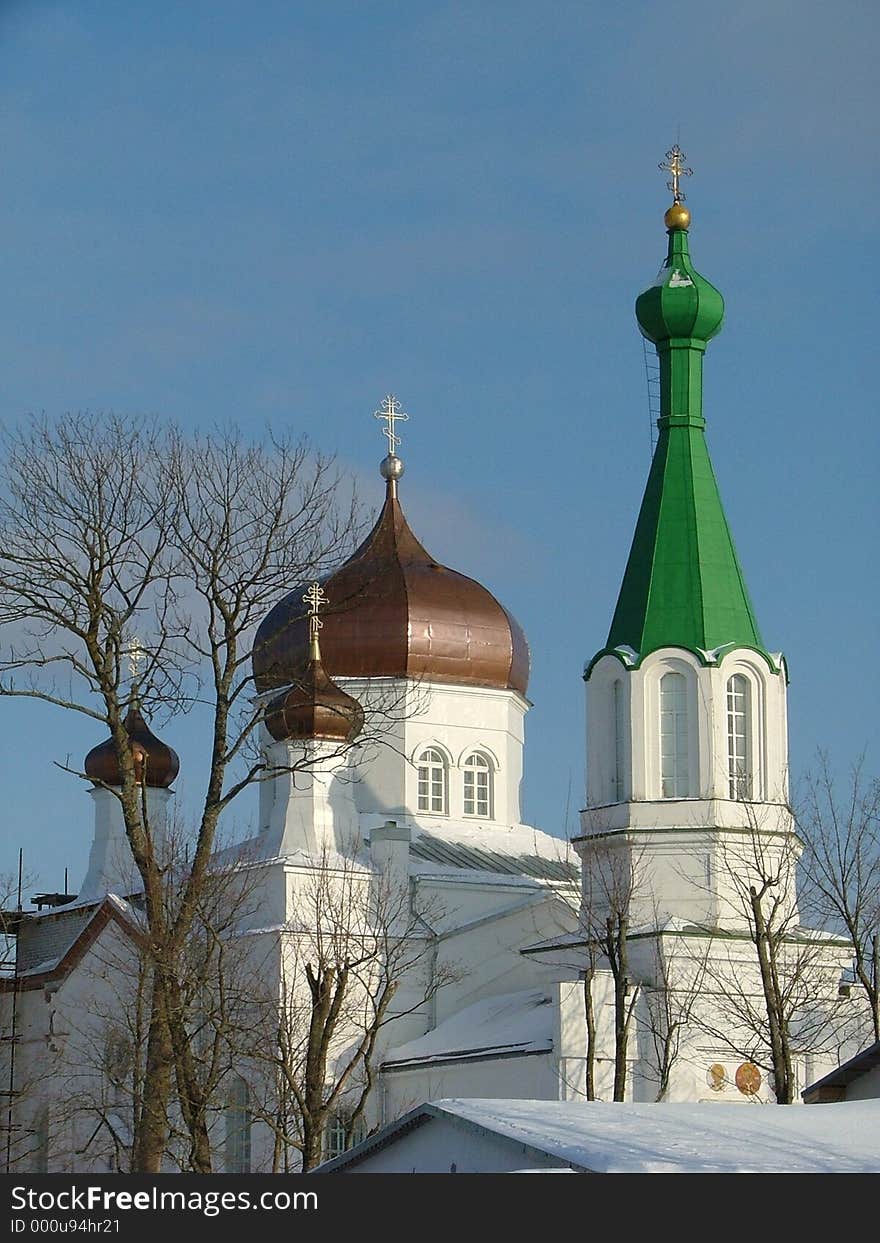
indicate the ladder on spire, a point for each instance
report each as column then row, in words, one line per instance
column 652, row 379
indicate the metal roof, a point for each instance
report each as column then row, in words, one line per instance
column 475, row 858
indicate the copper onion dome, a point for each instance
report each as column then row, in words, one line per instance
column 155, row 763
column 314, row 707
column 396, row 613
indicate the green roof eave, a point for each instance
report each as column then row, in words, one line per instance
column 631, row 659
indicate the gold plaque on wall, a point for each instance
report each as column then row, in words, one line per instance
column 716, row 1077
column 748, row 1078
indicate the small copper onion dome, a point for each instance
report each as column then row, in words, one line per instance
column 314, row 707
column 396, row 612
column 154, row 762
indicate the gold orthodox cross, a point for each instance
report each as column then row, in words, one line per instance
column 137, row 658
column 674, row 164
column 391, row 412
column 315, row 599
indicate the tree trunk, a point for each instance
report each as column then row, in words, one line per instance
column 590, row 1017
column 312, row 1146
column 667, row 1057
column 621, row 1033
column 780, row 1051
column 875, row 984
column 617, row 958
column 190, row 1092
column 151, row 1138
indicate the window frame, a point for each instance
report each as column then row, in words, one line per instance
column 470, row 772
column 682, row 730
column 618, row 756
column 431, row 767
column 238, row 1125
column 333, row 1143
column 740, row 786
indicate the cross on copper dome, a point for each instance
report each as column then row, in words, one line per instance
column 396, row 612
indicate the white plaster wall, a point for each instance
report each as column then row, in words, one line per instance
column 707, row 751
column 456, row 719
column 111, row 868
column 524, row 1078
column 866, row 1087
column 450, row 901
column 486, row 959
column 64, row 1028
column 698, row 875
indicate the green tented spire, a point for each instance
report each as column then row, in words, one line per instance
column 683, row 586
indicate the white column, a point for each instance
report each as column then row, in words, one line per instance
column 111, row 866
column 313, row 807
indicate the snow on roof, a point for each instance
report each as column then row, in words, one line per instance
column 510, row 1023
column 678, row 1138
column 40, row 967
column 514, row 839
column 498, row 850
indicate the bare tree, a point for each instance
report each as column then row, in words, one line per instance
column 773, row 982
column 609, row 881
column 227, row 967
column 111, row 529
column 354, row 959
column 841, row 863
column 671, row 999
column 589, row 979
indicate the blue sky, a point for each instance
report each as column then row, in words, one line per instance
column 277, row 213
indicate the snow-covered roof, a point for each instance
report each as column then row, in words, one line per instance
column 699, row 1138
column 494, row 1027
column 600, row 1137
column 53, row 942
column 499, row 850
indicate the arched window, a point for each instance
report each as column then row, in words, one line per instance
column 432, row 781
column 336, row 1135
column 617, row 786
column 674, row 758
column 237, row 1149
column 739, row 737
column 477, row 786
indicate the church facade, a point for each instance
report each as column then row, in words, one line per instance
column 622, row 965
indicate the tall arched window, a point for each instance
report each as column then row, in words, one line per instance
column 432, row 781
column 739, row 737
column 477, row 786
column 617, row 785
column 237, row 1147
column 674, row 758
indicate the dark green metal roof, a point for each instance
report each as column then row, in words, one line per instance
column 683, row 585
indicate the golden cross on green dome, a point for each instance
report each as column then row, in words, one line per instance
column 674, row 164
column 315, row 598
column 392, row 413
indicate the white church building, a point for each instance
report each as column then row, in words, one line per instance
column 686, row 815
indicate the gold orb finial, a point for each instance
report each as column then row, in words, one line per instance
column 677, row 217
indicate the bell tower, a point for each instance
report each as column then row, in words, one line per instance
column 686, row 708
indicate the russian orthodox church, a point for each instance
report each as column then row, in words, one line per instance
column 687, row 810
